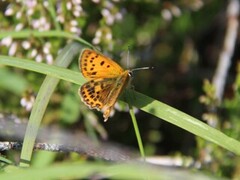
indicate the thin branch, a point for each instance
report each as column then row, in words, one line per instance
column 12, row 129
column 6, row 146
column 97, row 152
column 224, row 62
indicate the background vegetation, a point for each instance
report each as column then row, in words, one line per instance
column 182, row 40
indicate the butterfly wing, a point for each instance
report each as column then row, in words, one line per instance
column 102, row 93
column 94, row 65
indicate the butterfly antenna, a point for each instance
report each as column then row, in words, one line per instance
column 135, row 69
column 128, row 56
column 141, row 68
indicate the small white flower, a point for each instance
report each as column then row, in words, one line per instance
column 49, row 59
column 60, row 18
column 105, row 12
column 18, row 14
column 108, row 36
column 96, row 1
column 76, row 13
column 98, row 33
column 78, row 8
column 74, row 23
column 46, row 27
column 41, row 24
column 75, row 30
column 26, row 44
column 109, row 5
column 30, row 3
column 46, row 48
column 110, row 20
column 39, row 58
column 45, row 4
column 166, row 14
column 69, row 5
column 42, row 20
column 23, row 102
column 96, row 40
column 76, row 1
column 30, row 12
column 176, row 11
column 19, row 27
column 12, row 49
column 118, row 16
column 7, row 41
column 35, row 24
column 33, row 53
column 27, row 102
column 9, row 12
column 197, row 5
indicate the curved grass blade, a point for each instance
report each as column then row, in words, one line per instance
column 42, row 99
column 142, row 102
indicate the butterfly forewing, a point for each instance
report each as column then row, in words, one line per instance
column 95, row 65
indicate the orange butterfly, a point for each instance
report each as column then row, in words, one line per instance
column 106, row 80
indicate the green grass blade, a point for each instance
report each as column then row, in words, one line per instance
column 140, row 101
column 54, row 33
column 185, row 121
column 109, row 171
column 41, row 102
column 52, row 12
column 136, row 129
column 5, row 160
column 51, row 70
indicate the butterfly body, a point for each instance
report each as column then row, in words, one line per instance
column 106, row 81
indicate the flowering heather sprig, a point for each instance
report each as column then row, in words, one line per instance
column 111, row 14
column 30, row 14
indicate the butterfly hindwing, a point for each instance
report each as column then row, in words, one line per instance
column 90, row 95
column 102, row 93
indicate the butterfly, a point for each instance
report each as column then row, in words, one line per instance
column 106, row 81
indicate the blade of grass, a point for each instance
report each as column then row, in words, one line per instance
column 52, row 12
column 41, row 102
column 142, row 102
column 28, row 33
column 185, row 121
column 51, row 70
column 5, row 160
column 136, row 129
column 81, row 170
